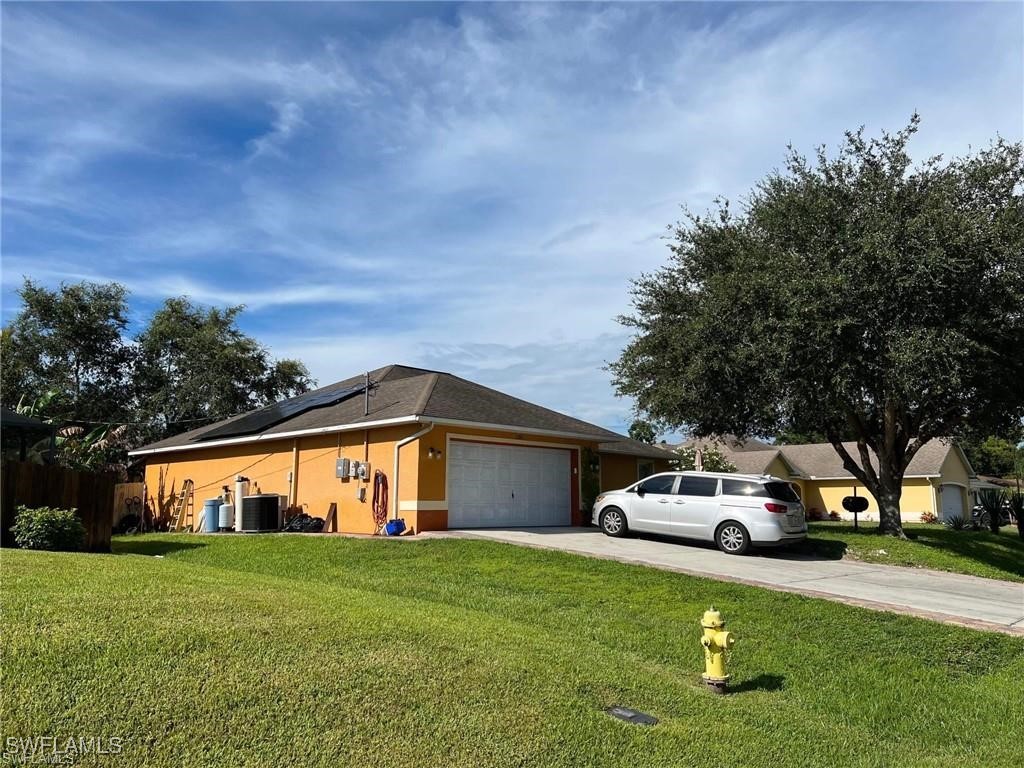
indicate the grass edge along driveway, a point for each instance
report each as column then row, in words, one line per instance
column 975, row 553
column 324, row 651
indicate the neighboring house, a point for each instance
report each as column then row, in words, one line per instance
column 455, row 454
column 938, row 480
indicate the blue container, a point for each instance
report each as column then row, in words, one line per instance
column 211, row 515
column 394, row 527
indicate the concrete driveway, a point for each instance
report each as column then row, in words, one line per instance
column 948, row 597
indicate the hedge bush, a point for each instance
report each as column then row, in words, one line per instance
column 48, row 528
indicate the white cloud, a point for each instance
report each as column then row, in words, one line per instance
column 288, row 120
column 472, row 194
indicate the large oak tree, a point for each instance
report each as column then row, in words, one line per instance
column 196, row 366
column 71, row 346
column 68, row 350
column 853, row 293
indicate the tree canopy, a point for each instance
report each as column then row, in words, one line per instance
column 712, row 459
column 643, row 431
column 855, row 293
column 70, row 349
column 994, row 455
column 73, row 343
column 195, row 365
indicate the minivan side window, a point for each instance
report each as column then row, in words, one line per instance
column 743, row 488
column 659, row 484
column 698, row 486
column 769, row 490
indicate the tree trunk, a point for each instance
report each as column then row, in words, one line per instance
column 890, row 488
column 889, row 520
column 885, row 483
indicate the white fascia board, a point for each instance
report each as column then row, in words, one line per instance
column 854, row 479
column 268, row 437
column 371, row 425
column 520, row 430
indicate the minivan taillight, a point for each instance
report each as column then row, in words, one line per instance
column 779, row 509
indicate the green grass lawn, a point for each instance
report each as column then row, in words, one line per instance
column 979, row 553
column 290, row 650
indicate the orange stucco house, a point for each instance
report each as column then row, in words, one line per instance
column 454, row 454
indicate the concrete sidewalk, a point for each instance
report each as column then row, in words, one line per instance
column 947, row 597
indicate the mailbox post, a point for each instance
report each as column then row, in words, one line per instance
column 855, row 504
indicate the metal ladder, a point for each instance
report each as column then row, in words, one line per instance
column 183, row 507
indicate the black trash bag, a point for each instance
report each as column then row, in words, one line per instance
column 128, row 524
column 303, row 523
column 295, row 525
column 314, row 525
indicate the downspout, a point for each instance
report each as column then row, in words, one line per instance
column 293, row 489
column 398, row 445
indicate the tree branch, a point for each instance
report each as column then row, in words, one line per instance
column 849, row 464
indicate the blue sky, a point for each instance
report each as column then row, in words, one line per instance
column 462, row 187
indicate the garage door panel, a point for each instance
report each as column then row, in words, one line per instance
column 507, row 486
column 952, row 501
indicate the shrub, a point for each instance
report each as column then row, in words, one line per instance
column 958, row 523
column 929, row 517
column 48, row 528
column 815, row 514
column 833, row 515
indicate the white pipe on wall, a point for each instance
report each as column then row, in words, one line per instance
column 398, row 445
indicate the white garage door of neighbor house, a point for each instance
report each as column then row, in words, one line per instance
column 497, row 486
column 952, row 501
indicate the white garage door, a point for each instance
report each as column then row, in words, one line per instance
column 498, row 486
column 952, row 501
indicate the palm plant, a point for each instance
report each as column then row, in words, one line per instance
column 92, row 450
column 95, row 450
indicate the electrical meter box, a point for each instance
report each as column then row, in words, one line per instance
column 342, row 468
column 364, row 470
column 353, row 469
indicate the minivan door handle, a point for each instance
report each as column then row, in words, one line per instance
column 663, row 501
column 678, row 501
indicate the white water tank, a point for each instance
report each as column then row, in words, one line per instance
column 241, row 491
column 227, row 517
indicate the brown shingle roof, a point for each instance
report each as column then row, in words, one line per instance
column 629, row 447
column 404, row 392
column 821, row 459
column 750, row 457
column 816, row 460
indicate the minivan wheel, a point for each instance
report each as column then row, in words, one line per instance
column 732, row 538
column 613, row 522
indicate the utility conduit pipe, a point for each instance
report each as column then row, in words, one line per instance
column 398, row 445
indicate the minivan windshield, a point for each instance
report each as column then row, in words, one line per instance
column 773, row 489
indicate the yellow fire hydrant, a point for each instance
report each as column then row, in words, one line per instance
column 716, row 642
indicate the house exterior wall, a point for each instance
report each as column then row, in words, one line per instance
column 827, row 495
column 619, row 470
column 777, row 467
column 920, row 494
column 429, row 506
column 422, row 491
column 268, row 463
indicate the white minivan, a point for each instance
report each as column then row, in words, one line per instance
column 734, row 511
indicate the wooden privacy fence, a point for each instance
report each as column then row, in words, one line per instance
column 129, row 499
column 44, row 485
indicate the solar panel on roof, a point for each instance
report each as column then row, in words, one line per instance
column 264, row 418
